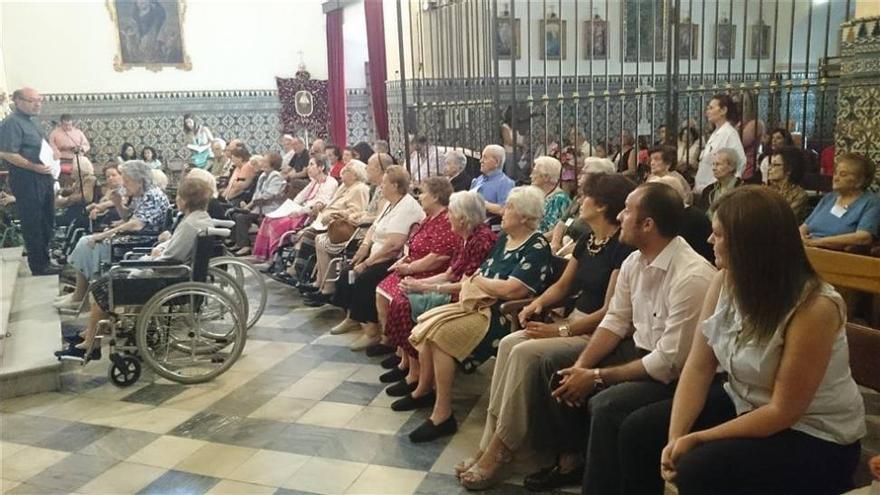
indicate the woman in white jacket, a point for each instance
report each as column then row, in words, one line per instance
column 722, row 112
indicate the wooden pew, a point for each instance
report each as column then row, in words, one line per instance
column 850, row 271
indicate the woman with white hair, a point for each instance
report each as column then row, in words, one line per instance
column 416, row 293
column 468, row 331
column 350, row 197
column 145, row 210
column 219, row 165
column 591, row 274
column 545, row 176
column 724, row 164
column 79, row 195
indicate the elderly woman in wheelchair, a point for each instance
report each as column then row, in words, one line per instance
column 181, row 320
column 192, row 199
column 145, row 211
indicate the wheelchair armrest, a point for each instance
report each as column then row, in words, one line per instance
column 226, row 224
column 515, row 306
column 364, row 225
column 148, row 263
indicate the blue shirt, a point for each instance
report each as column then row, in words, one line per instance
column 862, row 214
column 494, row 187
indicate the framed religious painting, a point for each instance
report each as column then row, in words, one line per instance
column 644, row 23
column 688, row 40
column 595, row 39
column 552, row 38
column 149, row 34
column 507, row 38
column 725, row 40
column 760, row 42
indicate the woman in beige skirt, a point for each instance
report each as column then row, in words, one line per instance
column 592, row 271
column 469, row 331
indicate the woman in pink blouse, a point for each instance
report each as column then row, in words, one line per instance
column 306, row 204
column 66, row 140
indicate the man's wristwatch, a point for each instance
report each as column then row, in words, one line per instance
column 598, row 382
column 564, row 330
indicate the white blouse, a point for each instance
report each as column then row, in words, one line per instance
column 723, row 137
column 396, row 218
column 837, row 412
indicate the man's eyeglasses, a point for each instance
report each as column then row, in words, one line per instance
column 31, row 100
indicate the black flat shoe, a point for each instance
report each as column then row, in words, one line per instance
column 390, row 362
column 552, row 478
column 409, row 403
column 306, row 288
column 393, row 376
column 401, row 389
column 428, row 431
column 316, row 299
column 378, row 350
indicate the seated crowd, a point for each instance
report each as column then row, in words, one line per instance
column 630, row 319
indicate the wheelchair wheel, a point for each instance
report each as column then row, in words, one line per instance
column 182, row 338
column 250, row 280
column 124, row 371
column 227, row 283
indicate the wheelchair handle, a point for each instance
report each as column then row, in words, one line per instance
column 218, row 232
column 228, row 224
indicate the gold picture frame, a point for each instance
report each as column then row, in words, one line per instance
column 149, row 34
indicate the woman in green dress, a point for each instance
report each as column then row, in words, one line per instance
column 519, row 266
column 545, row 176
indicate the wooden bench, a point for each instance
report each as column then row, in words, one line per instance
column 859, row 273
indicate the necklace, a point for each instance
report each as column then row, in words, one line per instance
column 595, row 246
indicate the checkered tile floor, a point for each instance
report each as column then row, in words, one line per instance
column 298, row 413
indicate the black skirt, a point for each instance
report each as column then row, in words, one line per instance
column 360, row 298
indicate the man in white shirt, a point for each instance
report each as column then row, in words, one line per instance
column 635, row 355
column 426, row 160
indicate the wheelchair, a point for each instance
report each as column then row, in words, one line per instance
column 187, row 323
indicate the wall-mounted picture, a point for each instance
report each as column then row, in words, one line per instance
column 595, row 39
column 552, row 38
column 688, row 39
column 507, row 39
column 645, row 33
column 725, row 40
column 149, row 33
column 760, row 42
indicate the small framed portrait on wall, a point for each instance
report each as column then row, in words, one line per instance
column 760, row 41
column 552, row 38
column 688, row 40
column 595, row 39
column 725, row 40
column 507, row 38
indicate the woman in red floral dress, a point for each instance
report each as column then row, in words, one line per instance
column 429, row 251
column 474, row 240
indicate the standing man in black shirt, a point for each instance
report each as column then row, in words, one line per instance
column 21, row 138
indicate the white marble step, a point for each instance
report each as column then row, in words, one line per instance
column 10, row 262
column 27, row 365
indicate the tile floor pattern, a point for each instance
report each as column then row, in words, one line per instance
column 299, row 413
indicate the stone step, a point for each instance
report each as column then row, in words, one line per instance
column 10, row 263
column 27, row 365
